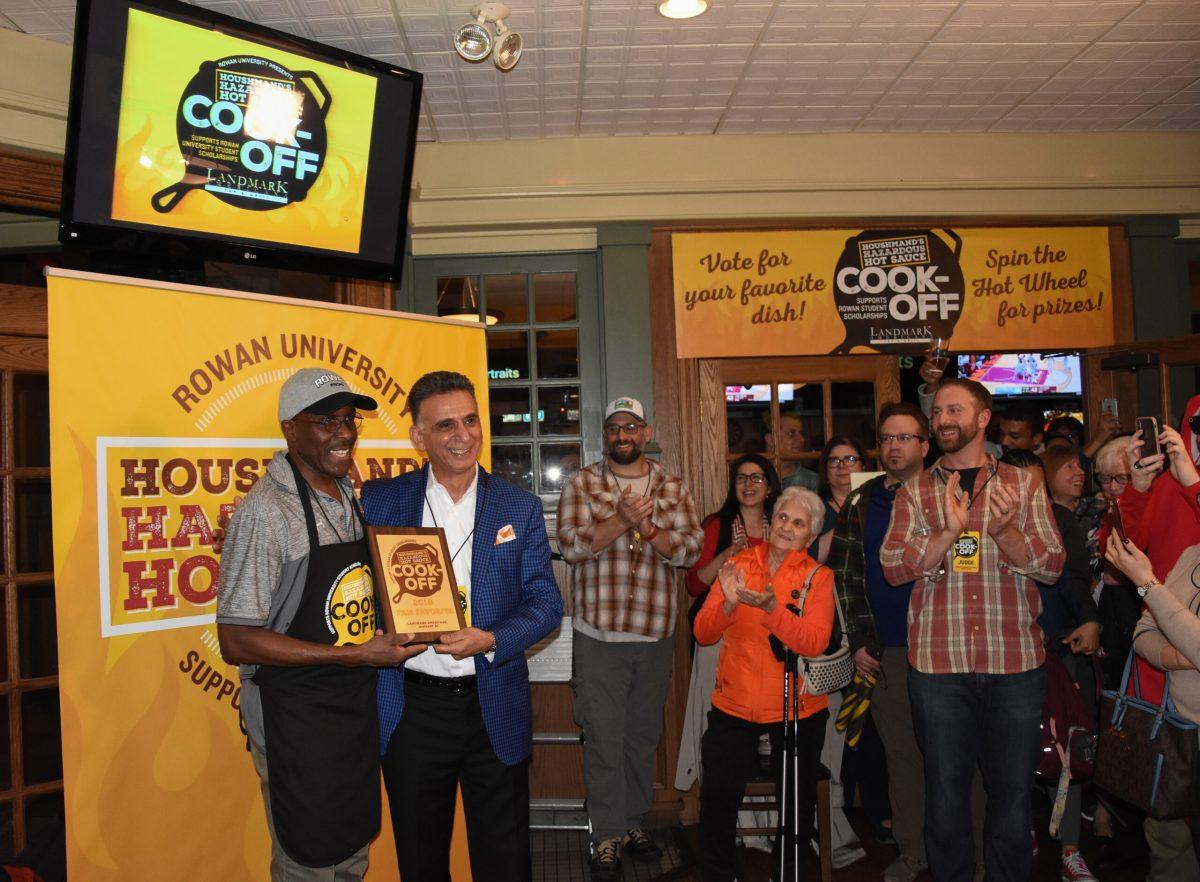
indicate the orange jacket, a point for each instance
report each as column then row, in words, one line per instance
column 749, row 677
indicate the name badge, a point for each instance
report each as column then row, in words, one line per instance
column 966, row 552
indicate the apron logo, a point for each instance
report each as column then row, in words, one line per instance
column 350, row 605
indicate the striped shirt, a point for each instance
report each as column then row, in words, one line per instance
column 627, row 587
column 981, row 622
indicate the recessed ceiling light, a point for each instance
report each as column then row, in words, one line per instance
column 682, row 8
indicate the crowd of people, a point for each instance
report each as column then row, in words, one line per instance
column 991, row 557
column 976, row 566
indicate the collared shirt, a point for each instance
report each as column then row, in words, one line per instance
column 458, row 521
column 628, row 586
column 981, row 622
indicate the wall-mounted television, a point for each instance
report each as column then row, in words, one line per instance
column 194, row 134
column 1011, row 374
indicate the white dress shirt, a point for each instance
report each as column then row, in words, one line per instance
column 458, row 520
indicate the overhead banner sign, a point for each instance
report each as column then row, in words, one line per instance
column 818, row 292
column 165, row 401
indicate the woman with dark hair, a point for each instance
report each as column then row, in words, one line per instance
column 741, row 522
column 841, row 457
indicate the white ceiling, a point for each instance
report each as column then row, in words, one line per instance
column 616, row 67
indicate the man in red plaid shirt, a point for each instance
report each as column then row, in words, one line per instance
column 976, row 536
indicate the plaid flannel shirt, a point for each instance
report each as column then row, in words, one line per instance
column 849, row 564
column 626, row 587
column 984, row 622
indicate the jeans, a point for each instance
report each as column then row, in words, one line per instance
column 989, row 720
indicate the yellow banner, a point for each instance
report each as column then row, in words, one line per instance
column 814, row 292
column 164, row 403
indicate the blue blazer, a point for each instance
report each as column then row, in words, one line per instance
column 513, row 594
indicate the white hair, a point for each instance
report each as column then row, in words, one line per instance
column 1111, row 458
column 808, row 499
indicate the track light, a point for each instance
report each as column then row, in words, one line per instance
column 474, row 42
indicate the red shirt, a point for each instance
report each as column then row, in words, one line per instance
column 712, row 526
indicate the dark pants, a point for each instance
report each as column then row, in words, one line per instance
column 989, row 720
column 729, row 752
column 440, row 744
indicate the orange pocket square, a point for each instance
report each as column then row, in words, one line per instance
column 505, row 534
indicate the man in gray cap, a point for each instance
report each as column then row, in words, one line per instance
column 624, row 523
column 296, row 610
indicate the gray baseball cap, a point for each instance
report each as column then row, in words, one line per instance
column 319, row 391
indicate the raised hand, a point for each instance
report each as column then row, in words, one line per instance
column 1144, row 469
column 1182, row 467
column 955, row 505
column 1003, row 503
column 732, row 580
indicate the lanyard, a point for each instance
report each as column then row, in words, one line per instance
column 978, row 492
column 436, row 524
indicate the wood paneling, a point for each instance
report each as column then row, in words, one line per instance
column 363, row 292
column 556, row 769
column 30, row 182
column 23, row 311
column 24, row 354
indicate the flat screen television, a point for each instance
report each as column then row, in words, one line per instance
column 192, row 134
column 1011, row 374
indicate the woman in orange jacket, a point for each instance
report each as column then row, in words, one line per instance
column 747, row 605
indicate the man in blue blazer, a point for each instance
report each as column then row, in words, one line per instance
column 459, row 713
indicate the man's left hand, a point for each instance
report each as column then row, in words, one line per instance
column 1003, row 504
column 1085, row 639
column 465, row 643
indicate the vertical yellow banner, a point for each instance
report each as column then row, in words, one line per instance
column 164, row 411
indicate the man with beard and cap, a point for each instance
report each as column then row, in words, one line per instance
column 625, row 524
column 295, row 609
column 974, row 536
column 1158, row 519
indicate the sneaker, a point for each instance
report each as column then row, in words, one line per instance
column 605, row 864
column 1075, row 868
column 903, row 869
column 639, row 844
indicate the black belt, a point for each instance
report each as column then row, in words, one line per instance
column 454, row 684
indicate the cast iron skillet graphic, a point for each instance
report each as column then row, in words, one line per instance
column 215, row 156
column 948, row 271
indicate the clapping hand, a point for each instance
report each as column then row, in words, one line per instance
column 732, row 580
column 633, row 508
column 956, row 506
column 764, row 600
column 1003, row 504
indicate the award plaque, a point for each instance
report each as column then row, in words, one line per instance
column 418, row 593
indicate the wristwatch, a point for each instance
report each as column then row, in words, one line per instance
column 1143, row 589
column 492, row 648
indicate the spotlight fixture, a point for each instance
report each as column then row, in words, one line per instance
column 682, row 8
column 474, row 42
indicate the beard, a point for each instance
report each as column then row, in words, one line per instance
column 625, row 456
column 957, row 440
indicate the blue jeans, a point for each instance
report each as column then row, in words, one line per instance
column 989, row 720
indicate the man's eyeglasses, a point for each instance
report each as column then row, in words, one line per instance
column 756, row 478
column 614, row 430
column 1119, row 480
column 903, row 438
column 331, row 424
column 850, row 460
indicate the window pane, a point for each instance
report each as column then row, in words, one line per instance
column 514, row 463
column 41, row 738
column 34, row 553
column 747, row 412
column 31, row 420
column 558, row 462
column 554, row 297
column 558, row 354
column 5, row 748
column 854, row 411
column 508, row 355
column 43, row 814
column 510, row 411
column 507, row 298
column 458, row 295
column 38, row 637
column 801, row 434
column 558, row 410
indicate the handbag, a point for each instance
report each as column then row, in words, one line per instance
column 833, row 670
column 1148, row 755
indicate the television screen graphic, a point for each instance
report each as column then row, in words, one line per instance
column 1023, row 373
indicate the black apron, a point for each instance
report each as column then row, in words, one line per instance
column 321, row 721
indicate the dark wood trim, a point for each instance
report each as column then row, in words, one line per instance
column 23, row 311
column 24, row 354
column 30, row 182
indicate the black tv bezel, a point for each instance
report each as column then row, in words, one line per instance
column 177, row 243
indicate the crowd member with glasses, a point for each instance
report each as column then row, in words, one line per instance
column 624, row 524
column 877, row 621
column 742, row 521
column 1158, row 520
column 755, row 598
column 295, row 559
column 841, row 457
